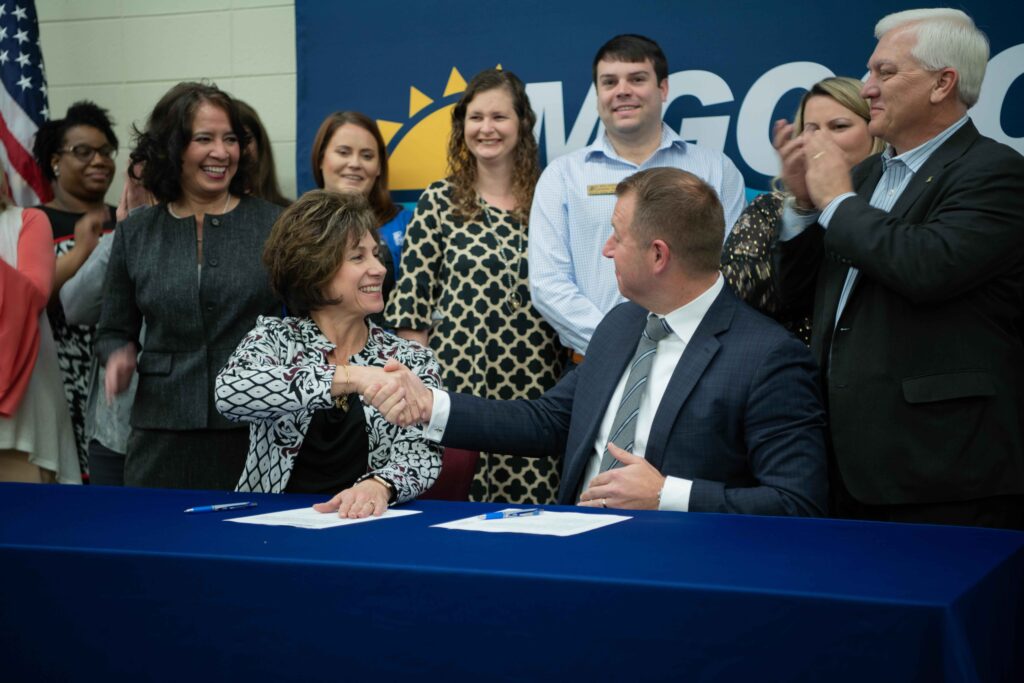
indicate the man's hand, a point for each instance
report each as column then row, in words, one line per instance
column 399, row 395
column 634, row 486
column 828, row 173
column 368, row 497
column 119, row 370
column 793, row 162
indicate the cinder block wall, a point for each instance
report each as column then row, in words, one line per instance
column 124, row 54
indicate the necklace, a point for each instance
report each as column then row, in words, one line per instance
column 512, row 274
column 224, row 210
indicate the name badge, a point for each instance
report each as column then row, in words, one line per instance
column 595, row 190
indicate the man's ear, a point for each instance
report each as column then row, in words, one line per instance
column 945, row 86
column 660, row 255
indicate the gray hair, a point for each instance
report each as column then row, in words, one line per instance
column 945, row 38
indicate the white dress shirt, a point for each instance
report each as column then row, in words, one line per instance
column 675, row 495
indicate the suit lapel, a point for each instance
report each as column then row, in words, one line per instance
column 594, row 393
column 948, row 152
column 696, row 358
column 869, row 174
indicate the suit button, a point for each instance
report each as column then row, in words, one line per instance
column 215, row 221
column 209, row 307
column 212, row 262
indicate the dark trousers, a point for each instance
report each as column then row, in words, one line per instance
column 1000, row 512
column 106, row 467
column 186, row 459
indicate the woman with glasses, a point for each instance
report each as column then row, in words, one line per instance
column 76, row 154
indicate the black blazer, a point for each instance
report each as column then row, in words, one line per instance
column 741, row 416
column 925, row 366
column 191, row 326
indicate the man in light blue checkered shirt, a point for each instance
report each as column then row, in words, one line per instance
column 571, row 284
column 915, row 264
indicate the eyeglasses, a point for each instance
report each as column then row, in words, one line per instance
column 85, row 153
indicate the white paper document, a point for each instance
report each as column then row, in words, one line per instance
column 545, row 524
column 308, row 518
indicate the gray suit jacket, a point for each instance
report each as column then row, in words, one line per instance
column 192, row 325
column 741, row 417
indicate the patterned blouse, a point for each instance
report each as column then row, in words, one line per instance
column 279, row 375
column 747, row 263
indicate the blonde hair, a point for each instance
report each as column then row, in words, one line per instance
column 846, row 92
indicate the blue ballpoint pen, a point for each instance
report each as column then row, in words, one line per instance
column 505, row 514
column 222, row 507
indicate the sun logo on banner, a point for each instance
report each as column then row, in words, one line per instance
column 418, row 149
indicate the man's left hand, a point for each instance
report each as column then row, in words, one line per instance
column 634, row 486
column 828, row 173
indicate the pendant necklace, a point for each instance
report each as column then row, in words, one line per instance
column 513, row 265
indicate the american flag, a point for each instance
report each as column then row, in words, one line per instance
column 23, row 105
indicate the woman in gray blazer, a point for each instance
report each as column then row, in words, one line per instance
column 189, row 268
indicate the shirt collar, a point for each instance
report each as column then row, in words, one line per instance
column 914, row 159
column 685, row 319
column 603, row 145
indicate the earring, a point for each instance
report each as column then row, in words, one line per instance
column 56, row 172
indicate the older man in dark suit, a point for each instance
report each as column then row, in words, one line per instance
column 687, row 400
column 916, row 269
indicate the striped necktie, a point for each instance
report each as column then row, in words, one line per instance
column 624, row 426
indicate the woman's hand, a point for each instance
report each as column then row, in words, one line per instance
column 133, row 194
column 405, row 391
column 119, row 370
column 368, row 497
column 402, row 398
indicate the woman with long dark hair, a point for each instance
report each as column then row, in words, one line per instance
column 464, row 287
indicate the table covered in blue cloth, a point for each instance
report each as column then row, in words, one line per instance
column 119, row 584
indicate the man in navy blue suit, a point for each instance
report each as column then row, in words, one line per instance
column 726, row 416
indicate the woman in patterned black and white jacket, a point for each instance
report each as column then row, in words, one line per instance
column 298, row 379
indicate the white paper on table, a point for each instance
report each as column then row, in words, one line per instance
column 308, row 518
column 545, row 524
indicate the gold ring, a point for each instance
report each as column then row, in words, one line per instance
column 604, row 502
column 819, row 154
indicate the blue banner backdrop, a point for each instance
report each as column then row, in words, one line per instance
column 734, row 67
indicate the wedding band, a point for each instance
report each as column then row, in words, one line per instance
column 604, row 502
column 819, row 154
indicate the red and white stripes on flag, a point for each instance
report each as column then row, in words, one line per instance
column 23, row 106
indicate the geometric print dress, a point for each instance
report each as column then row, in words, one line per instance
column 74, row 342
column 467, row 282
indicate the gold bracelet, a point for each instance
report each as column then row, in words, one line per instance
column 341, row 402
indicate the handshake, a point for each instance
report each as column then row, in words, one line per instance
column 394, row 390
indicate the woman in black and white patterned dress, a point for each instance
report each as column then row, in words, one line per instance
column 463, row 287
column 76, row 154
column 298, row 379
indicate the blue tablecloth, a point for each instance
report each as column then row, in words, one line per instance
column 120, row 584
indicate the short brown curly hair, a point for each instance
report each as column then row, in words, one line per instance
column 308, row 243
